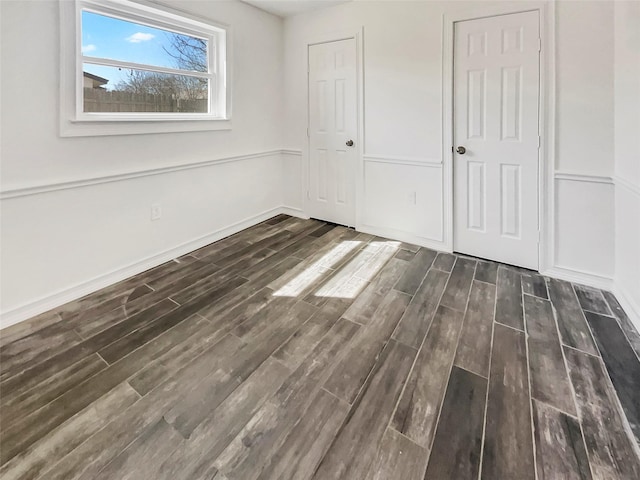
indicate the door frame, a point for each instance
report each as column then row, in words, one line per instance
column 546, row 118
column 329, row 37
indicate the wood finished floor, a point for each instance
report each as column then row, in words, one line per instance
column 299, row 350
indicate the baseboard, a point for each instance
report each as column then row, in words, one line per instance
column 48, row 302
column 582, row 278
column 628, row 304
column 403, row 236
column 294, row 212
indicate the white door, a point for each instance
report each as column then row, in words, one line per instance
column 496, row 92
column 332, row 131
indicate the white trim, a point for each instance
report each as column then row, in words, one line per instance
column 580, row 277
column 291, row 151
column 579, row 177
column 294, row 212
column 630, row 307
column 547, row 109
column 24, row 191
column 356, row 33
column 627, row 185
column 401, row 235
column 398, row 160
column 48, row 302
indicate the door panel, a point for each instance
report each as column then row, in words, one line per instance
column 332, row 123
column 496, row 97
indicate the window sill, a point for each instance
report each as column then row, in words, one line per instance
column 104, row 126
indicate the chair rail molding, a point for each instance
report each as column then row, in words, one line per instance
column 400, row 160
column 23, row 191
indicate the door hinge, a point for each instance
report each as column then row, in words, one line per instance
column 308, row 132
column 539, row 44
column 539, row 142
column 308, row 195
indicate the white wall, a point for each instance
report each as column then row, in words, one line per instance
column 403, row 120
column 627, row 154
column 60, row 243
column 80, row 235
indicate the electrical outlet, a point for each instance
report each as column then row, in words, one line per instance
column 156, row 211
column 412, row 198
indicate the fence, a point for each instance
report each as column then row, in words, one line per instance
column 104, row 101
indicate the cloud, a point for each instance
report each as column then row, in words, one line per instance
column 140, row 37
column 89, row 48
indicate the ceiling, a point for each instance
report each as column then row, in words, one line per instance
column 286, row 8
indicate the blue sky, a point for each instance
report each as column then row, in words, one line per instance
column 107, row 37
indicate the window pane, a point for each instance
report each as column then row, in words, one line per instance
column 110, row 89
column 107, row 37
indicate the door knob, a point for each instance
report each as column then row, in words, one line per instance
column 461, row 150
column 349, row 143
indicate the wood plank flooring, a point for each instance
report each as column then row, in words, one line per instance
column 302, row 350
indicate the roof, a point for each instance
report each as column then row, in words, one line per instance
column 95, row 77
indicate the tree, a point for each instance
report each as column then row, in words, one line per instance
column 189, row 53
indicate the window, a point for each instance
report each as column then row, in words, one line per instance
column 139, row 64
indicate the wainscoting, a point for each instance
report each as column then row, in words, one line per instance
column 74, row 237
column 403, row 199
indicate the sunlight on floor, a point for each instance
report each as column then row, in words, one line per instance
column 316, row 270
column 349, row 279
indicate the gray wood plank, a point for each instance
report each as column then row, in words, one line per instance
column 549, row 377
column 508, row 445
column 33, row 349
column 535, row 284
column 89, row 323
column 324, row 229
column 265, row 433
column 280, row 309
column 195, row 406
column 625, row 322
column 415, row 273
column 40, row 371
column 28, row 327
column 591, row 299
column 417, row 412
column 370, row 269
column 621, row 363
column 574, row 331
column 612, row 452
column 560, row 449
column 14, row 409
column 182, row 352
column 213, row 435
column 43, row 454
column 509, row 298
column 142, row 458
column 366, row 303
column 309, row 440
column 405, row 255
column 444, row 262
column 457, row 292
column 351, row 373
column 139, row 337
column 93, row 455
column 474, row 346
column 457, row 445
column 417, row 318
column 354, row 450
column 486, row 272
column 398, row 457
column 345, row 279
column 19, row 436
column 301, row 343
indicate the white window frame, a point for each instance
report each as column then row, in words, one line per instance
column 75, row 122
